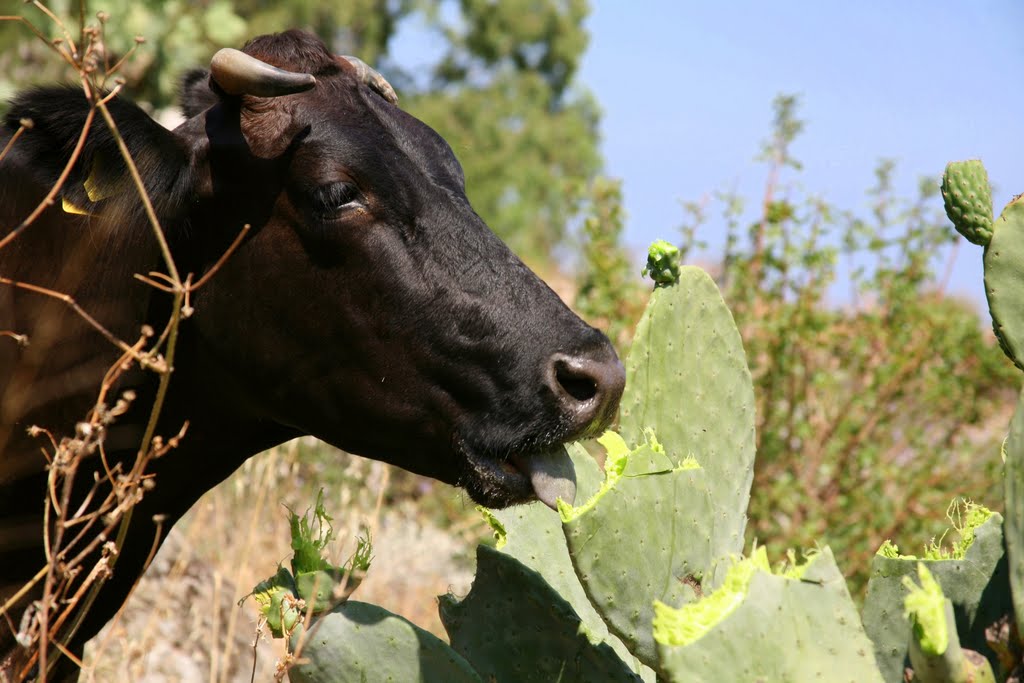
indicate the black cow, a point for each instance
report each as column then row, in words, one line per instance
column 368, row 305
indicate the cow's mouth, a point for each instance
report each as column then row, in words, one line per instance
column 545, row 475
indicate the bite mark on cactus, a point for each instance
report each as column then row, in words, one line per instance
column 497, row 528
column 925, row 607
column 689, row 463
column 687, row 624
column 617, row 459
column 965, row 516
column 890, row 550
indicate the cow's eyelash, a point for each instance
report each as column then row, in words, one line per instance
column 328, row 200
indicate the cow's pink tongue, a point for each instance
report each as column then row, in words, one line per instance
column 551, row 474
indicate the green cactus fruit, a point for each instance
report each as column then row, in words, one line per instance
column 1004, row 280
column 514, row 627
column 662, row 263
column 968, row 200
column 801, row 625
column 533, row 535
column 935, row 651
column 687, row 379
column 1014, row 483
column 973, row 576
column 648, row 534
column 364, row 643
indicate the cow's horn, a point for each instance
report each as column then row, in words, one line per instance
column 240, row 74
column 368, row 75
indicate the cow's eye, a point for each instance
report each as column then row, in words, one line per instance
column 330, row 200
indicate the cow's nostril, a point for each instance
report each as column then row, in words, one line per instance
column 588, row 387
column 580, row 385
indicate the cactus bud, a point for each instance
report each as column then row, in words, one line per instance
column 663, row 263
column 968, row 200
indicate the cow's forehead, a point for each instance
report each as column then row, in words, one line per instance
column 355, row 127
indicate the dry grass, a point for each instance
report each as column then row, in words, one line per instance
column 183, row 623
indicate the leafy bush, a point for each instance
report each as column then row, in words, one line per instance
column 866, row 410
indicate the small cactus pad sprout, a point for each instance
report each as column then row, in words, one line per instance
column 968, row 200
column 925, row 608
column 935, row 651
column 663, row 263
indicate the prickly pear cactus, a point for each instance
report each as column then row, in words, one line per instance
column 973, row 575
column 968, row 200
column 967, row 194
column 687, row 381
column 800, row 625
column 361, row 643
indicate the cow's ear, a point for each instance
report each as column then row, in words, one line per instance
column 99, row 175
column 195, row 95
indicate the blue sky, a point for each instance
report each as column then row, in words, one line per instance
column 686, row 90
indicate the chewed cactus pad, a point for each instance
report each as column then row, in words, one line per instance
column 687, row 380
column 797, row 626
column 973, row 577
column 968, row 200
column 648, row 534
column 533, row 535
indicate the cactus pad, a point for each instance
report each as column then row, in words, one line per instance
column 534, row 537
column 973, row 578
column 1004, row 280
column 687, row 379
column 365, row 643
column 1014, row 468
column 968, row 200
column 514, row 627
column 800, row 626
column 647, row 535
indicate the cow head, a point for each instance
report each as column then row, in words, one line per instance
column 371, row 306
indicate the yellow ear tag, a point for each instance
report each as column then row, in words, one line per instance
column 71, row 208
column 92, row 186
